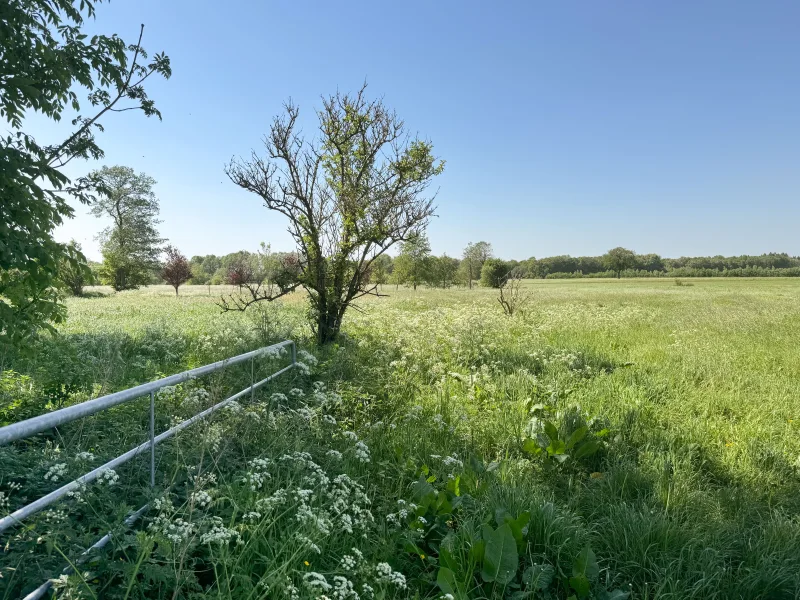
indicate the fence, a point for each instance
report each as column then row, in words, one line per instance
column 30, row 427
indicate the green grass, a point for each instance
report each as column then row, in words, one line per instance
column 689, row 488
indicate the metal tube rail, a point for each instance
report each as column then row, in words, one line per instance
column 45, row 587
column 29, row 427
column 37, row 505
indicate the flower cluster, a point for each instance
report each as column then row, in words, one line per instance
column 219, row 534
column 56, row 472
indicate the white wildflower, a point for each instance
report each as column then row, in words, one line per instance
column 316, row 582
column 56, row 472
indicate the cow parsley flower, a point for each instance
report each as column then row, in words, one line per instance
column 108, row 477
column 201, row 498
column 316, row 582
column 56, row 472
column 362, row 452
column 387, row 575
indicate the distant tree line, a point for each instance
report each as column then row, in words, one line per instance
column 631, row 264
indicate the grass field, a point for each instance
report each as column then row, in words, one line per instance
column 630, row 438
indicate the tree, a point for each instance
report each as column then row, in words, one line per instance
column 177, row 269
column 494, row 273
column 349, row 195
column 240, row 270
column 412, row 267
column 131, row 245
column 46, row 59
column 513, row 297
column 382, row 268
column 618, row 259
column 74, row 272
column 442, row 272
column 473, row 258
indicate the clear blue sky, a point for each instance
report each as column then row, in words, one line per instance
column 567, row 127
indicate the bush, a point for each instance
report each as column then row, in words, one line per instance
column 494, row 273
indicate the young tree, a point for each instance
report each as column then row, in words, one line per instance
column 131, row 245
column 473, row 258
column 618, row 259
column 46, row 60
column 177, row 269
column 413, row 265
column 74, row 272
column 494, row 273
column 349, row 194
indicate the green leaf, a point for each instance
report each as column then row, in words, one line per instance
column 550, row 430
column 577, row 436
column 531, row 447
column 500, row 557
column 538, row 576
column 447, row 582
column 519, row 528
column 586, row 564
column 477, row 550
column 613, row 595
column 587, row 449
column 556, row 447
column 580, row 584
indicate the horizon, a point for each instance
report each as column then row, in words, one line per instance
column 566, row 129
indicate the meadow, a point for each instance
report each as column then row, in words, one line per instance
column 617, row 439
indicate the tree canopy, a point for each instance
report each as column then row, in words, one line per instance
column 349, row 194
column 46, row 61
column 131, row 245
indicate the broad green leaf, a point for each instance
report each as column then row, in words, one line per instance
column 500, row 558
column 531, row 447
column 577, row 436
column 612, row 595
column 586, row 449
column 586, row 564
column 580, row 584
column 556, row 447
column 519, row 528
column 550, row 430
column 538, row 576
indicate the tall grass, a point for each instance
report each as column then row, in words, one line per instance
column 429, row 452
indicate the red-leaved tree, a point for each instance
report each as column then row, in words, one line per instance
column 177, row 269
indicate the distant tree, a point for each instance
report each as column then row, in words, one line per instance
column 494, row 273
column 443, row 270
column 74, row 272
column 45, row 61
column 412, row 265
column 240, row 270
column 381, row 269
column 473, row 258
column 131, row 245
column 177, row 269
column 349, row 194
column 650, row 262
column 618, row 259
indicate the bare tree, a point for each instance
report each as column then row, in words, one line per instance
column 513, row 297
column 177, row 269
column 349, row 195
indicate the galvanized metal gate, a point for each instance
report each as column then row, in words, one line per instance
column 30, row 427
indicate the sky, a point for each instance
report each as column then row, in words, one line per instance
column 566, row 127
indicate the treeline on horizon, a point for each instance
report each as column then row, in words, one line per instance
column 445, row 271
